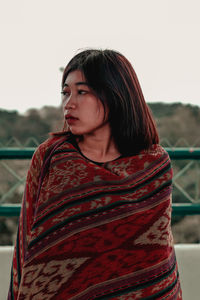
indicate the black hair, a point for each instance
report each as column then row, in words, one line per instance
column 115, row 83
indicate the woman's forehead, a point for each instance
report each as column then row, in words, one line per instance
column 75, row 77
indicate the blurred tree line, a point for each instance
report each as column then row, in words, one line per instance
column 177, row 121
column 34, row 123
column 174, row 121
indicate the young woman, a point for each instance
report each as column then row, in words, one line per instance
column 95, row 217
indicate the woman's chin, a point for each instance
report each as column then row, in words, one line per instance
column 76, row 132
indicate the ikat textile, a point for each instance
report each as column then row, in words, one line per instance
column 89, row 231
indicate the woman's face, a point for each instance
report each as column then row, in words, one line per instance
column 83, row 111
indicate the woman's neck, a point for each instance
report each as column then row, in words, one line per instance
column 98, row 148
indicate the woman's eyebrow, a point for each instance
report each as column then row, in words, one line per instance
column 78, row 83
column 82, row 83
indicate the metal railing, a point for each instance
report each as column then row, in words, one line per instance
column 178, row 209
column 191, row 154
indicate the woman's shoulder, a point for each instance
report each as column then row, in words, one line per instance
column 155, row 152
column 50, row 143
column 156, row 158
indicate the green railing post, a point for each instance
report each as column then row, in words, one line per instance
column 16, row 153
column 183, row 209
column 183, row 153
column 10, row 210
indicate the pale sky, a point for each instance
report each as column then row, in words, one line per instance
column 161, row 38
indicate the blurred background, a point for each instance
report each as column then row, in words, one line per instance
column 161, row 40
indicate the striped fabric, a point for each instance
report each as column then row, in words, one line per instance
column 89, row 231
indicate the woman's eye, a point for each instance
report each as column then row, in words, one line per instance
column 65, row 93
column 82, row 92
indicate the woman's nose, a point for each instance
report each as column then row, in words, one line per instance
column 70, row 103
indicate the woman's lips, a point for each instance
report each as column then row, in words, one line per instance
column 71, row 119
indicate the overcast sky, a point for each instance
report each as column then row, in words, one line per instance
column 161, row 38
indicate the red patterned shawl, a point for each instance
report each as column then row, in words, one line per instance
column 90, row 231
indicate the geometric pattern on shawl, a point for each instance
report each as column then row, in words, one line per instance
column 89, row 231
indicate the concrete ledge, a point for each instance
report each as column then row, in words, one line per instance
column 188, row 257
column 6, row 253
